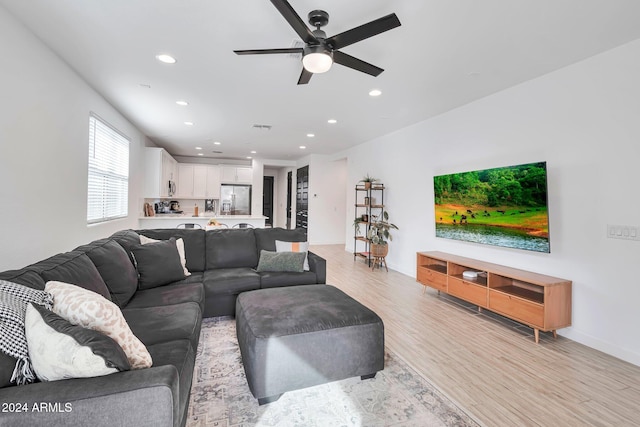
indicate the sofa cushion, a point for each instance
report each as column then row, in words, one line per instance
column 266, row 237
column 127, row 239
column 154, row 325
column 7, row 365
column 231, row 248
column 280, row 279
column 89, row 310
column 75, row 268
column 174, row 293
column 157, row 263
column 194, row 244
column 180, row 354
column 281, row 261
column 117, row 271
column 24, row 277
column 59, row 350
column 230, row 281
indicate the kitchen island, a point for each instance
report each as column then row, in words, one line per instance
column 173, row 220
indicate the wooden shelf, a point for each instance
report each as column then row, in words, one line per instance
column 539, row 301
column 369, row 203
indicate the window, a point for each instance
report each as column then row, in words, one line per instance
column 108, row 193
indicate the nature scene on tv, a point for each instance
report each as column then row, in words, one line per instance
column 504, row 206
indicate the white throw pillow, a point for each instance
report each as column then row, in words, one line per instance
column 90, row 310
column 295, row 247
column 179, row 244
column 59, row 350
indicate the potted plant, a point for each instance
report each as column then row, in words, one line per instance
column 368, row 181
column 379, row 233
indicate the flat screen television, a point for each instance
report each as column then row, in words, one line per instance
column 505, row 206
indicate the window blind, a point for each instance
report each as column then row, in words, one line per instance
column 108, row 189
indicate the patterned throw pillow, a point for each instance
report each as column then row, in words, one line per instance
column 280, row 261
column 61, row 350
column 90, row 310
column 294, row 247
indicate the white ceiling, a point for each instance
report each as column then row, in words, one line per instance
column 446, row 53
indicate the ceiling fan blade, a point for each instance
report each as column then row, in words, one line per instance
column 295, row 21
column 355, row 63
column 364, row 31
column 305, row 76
column 268, row 51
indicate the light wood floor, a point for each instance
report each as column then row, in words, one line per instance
column 490, row 365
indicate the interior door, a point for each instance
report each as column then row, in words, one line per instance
column 289, row 195
column 302, row 198
column 267, row 200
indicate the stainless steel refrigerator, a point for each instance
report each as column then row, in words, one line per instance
column 235, row 199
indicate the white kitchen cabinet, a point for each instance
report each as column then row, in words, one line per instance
column 200, row 181
column 213, row 182
column 160, row 169
column 193, row 181
column 237, row 175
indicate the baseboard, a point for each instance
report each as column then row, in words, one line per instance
column 603, row 346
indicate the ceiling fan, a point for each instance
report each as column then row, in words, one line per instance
column 319, row 51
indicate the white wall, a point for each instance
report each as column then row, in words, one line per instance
column 44, row 135
column 584, row 121
column 327, row 199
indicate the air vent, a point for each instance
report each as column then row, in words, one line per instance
column 216, row 152
column 262, row 127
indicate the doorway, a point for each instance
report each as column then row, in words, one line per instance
column 289, row 187
column 302, row 198
column 267, row 200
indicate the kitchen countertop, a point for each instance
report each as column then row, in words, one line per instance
column 202, row 216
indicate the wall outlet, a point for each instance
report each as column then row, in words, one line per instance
column 624, row 232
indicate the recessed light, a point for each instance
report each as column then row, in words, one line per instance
column 182, row 103
column 375, row 92
column 198, row 148
column 253, row 151
column 188, row 123
column 248, row 157
column 200, row 154
column 310, row 135
column 217, row 143
column 303, row 147
column 332, row 121
column 167, row 59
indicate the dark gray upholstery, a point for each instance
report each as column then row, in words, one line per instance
column 167, row 319
column 144, row 397
column 75, row 268
column 231, row 248
column 24, row 277
column 300, row 336
column 194, row 244
column 266, row 237
column 151, row 326
column 111, row 260
column 175, row 293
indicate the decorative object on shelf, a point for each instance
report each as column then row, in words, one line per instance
column 365, row 218
column 368, row 181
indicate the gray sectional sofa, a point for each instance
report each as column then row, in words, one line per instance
column 166, row 318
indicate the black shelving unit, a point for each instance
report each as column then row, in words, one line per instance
column 369, row 201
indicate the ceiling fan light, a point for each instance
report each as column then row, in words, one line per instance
column 317, row 59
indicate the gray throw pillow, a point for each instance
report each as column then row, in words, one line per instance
column 158, row 263
column 281, row 261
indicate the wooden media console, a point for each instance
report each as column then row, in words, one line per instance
column 536, row 300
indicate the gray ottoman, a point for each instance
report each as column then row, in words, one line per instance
column 300, row 336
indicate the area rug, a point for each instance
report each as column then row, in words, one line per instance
column 397, row 396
